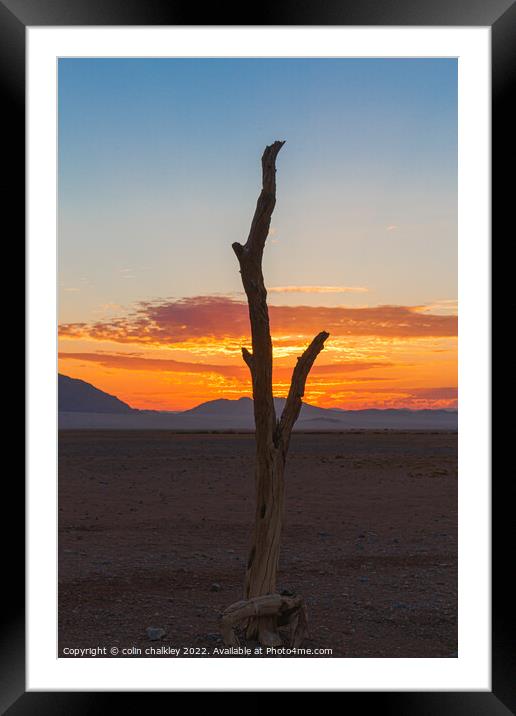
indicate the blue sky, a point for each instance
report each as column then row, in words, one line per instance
column 159, row 173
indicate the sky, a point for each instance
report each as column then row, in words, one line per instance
column 159, row 173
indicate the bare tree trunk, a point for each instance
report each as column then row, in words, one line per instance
column 272, row 435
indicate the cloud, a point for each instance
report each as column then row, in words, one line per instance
column 348, row 367
column 131, row 362
column 240, row 371
column 430, row 393
column 126, row 273
column 448, row 306
column 317, row 289
column 179, row 321
column 448, row 393
column 394, row 397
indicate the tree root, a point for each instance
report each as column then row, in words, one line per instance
column 272, row 609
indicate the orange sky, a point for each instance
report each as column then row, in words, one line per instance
column 159, row 173
column 174, row 354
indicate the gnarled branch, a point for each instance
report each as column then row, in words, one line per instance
column 288, row 611
column 248, row 358
column 250, row 259
column 297, row 387
column 261, row 222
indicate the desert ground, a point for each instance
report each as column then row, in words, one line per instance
column 154, row 528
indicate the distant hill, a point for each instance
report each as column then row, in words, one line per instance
column 77, row 396
column 242, row 408
column 81, row 406
column 240, row 412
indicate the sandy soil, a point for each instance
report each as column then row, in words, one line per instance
column 154, row 529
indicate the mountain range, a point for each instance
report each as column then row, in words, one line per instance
column 78, row 396
column 82, row 406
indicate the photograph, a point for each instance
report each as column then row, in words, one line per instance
column 257, row 268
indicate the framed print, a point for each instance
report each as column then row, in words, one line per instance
column 258, row 365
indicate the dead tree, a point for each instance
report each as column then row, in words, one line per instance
column 272, row 435
column 287, row 610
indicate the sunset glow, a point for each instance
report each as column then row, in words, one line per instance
column 159, row 173
column 175, row 354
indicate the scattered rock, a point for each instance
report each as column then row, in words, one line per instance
column 215, row 587
column 287, row 592
column 155, row 633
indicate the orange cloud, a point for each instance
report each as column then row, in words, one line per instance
column 186, row 351
column 166, row 365
column 392, row 397
column 129, row 362
column 174, row 322
column 317, row 289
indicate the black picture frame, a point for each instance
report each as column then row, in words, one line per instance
column 500, row 16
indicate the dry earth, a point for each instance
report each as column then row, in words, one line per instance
column 154, row 528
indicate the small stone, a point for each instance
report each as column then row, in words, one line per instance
column 215, row 587
column 155, row 633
